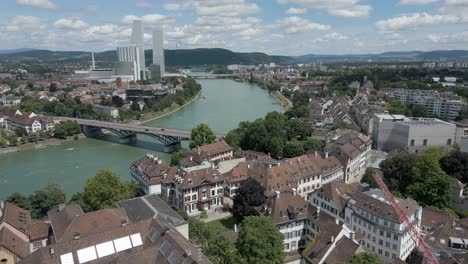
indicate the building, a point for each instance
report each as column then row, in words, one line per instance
column 193, row 189
column 108, row 111
column 214, row 152
column 158, row 52
column 367, row 212
column 19, row 237
column 396, row 132
column 106, row 236
column 148, row 171
column 129, row 62
column 443, row 105
column 137, row 40
column 10, row 100
column 353, row 150
column 151, row 206
column 30, row 122
column 461, row 130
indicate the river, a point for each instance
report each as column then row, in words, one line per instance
column 223, row 104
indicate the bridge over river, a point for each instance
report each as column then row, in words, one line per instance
column 170, row 138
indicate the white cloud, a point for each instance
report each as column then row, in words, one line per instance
column 357, row 11
column 70, row 23
column 103, row 29
column 449, row 38
column 457, row 2
column 296, row 11
column 150, row 19
column 338, row 8
column 417, row 2
column 294, row 24
column 37, row 3
column 336, row 36
column 415, row 20
column 23, row 23
column 216, row 7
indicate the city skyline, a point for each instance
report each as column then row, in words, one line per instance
column 284, row 27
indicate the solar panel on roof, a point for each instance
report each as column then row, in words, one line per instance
column 86, row 254
column 153, row 234
column 174, row 257
column 105, row 249
column 165, row 247
column 67, row 258
column 136, row 240
column 122, row 244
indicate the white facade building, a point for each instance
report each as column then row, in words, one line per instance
column 158, row 50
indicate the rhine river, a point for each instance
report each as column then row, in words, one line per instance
column 223, row 104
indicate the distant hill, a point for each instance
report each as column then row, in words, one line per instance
column 182, row 57
column 13, row 51
column 216, row 56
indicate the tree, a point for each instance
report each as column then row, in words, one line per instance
column 364, row 258
column 104, row 189
column 430, row 185
column 44, row 199
column 275, row 147
column 397, row 171
column 233, row 139
column 19, row 200
column 260, row 241
column 222, row 251
column 314, row 144
column 201, row 135
column 369, row 179
column 52, row 87
column 20, row 132
column 418, row 110
column 456, row 165
column 297, row 129
column 293, row 149
column 117, row 101
column 249, row 194
column 177, row 157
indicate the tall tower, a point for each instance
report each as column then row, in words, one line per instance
column 158, row 50
column 137, row 40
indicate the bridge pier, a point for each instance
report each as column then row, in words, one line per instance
column 90, row 131
column 128, row 139
column 171, row 147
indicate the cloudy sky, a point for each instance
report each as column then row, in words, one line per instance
column 284, row 27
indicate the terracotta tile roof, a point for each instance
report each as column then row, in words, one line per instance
column 39, row 230
column 151, row 167
column 61, row 218
column 251, row 155
column 85, row 224
column 159, row 244
column 381, row 208
column 13, row 243
column 433, row 217
column 339, row 192
column 215, row 148
column 344, row 249
column 286, row 207
column 194, row 178
column 16, row 217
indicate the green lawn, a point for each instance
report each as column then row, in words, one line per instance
column 225, row 223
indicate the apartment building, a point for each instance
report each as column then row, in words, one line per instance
column 194, row 190
column 367, row 212
column 443, row 105
column 353, row 150
column 148, row 171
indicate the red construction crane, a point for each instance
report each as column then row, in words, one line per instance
column 422, row 247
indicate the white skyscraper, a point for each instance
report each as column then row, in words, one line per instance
column 158, row 50
column 137, row 40
column 129, row 61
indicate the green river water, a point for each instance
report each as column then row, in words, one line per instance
column 224, row 103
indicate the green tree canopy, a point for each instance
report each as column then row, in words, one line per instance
column 104, row 189
column 201, row 135
column 314, row 144
column 44, row 199
column 19, row 200
column 177, row 157
column 364, row 258
column 456, row 165
column 249, row 195
column 293, row 149
column 260, row 241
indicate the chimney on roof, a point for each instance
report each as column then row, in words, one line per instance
column 61, row 207
column 332, row 239
column 337, row 221
column 51, row 251
column 315, row 154
column 165, row 231
column 269, row 166
column 318, row 210
column 351, row 235
column 326, row 154
column 235, row 228
column 76, row 236
column 277, row 194
column 294, row 191
column 191, row 158
column 188, row 252
column 248, row 165
column 123, row 222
